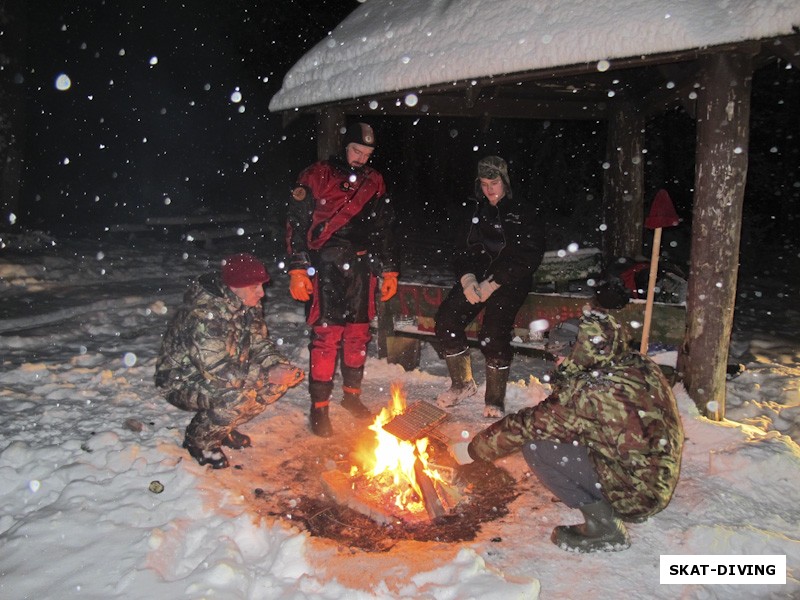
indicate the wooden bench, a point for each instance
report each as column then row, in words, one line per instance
column 407, row 320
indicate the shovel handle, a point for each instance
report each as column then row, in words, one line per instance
column 651, row 286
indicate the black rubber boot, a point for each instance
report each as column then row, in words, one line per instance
column 213, row 456
column 603, row 530
column 320, row 392
column 351, row 387
column 495, row 398
column 462, row 384
column 237, row 440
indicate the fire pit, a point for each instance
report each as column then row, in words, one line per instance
column 395, row 479
column 338, row 492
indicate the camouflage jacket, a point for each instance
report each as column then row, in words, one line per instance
column 617, row 404
column 215, row 341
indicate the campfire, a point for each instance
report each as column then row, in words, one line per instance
column 394, row 477
column 395, row 472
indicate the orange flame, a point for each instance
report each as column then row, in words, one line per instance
column 392, row 461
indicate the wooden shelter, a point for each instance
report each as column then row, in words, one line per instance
column 712, row 82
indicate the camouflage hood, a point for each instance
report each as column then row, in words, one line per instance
column 600, row 342
column 209, row 289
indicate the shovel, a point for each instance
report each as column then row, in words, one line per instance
column 662, row 214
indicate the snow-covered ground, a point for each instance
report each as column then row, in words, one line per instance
column 84, row 435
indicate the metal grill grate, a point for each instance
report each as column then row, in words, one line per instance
column 418, row 419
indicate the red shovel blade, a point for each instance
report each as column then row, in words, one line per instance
column 662, row 212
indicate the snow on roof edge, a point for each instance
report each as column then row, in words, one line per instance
column 383, row 48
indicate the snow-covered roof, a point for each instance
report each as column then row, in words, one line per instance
column 393, row 45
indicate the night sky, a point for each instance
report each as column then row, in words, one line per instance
column 165, row 113
column 165, row 108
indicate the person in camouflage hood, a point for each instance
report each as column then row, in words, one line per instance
column 607, row 441
column 217, row 359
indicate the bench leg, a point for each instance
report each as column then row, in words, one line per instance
column 403, row 351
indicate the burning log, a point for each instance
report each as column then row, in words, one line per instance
column 448, row 489
column 396, row 481
column 433, row 505
column 340, row 488
column 370, row 498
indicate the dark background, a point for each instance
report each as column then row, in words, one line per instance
column 149, row 128
column 131, row 139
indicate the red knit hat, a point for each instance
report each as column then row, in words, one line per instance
column 243, row 270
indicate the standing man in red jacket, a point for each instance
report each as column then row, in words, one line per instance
column 339, row 241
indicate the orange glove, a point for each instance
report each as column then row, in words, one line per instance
column 300, row 286
column 389, row 286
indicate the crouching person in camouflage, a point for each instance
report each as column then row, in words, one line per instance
column 607, row 441
column 217, row 359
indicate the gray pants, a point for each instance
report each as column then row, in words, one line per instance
column 564, row 469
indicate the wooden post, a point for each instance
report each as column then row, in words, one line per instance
column 623, row 181
column 723, row 132
column 329, row 132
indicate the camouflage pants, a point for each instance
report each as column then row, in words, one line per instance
column 217, row 413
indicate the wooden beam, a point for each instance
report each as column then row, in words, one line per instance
column 622, row 182
column 501, row 108
column 470, row 94
column 329, row 132
column 723, row 132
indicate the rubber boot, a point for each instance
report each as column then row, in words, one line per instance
column 237, row 440
column 320, row 392
column 203, row 438
column 213, row 456
column 351, row 387
column 603, row 530
column 495, row 398
column 462, row 384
